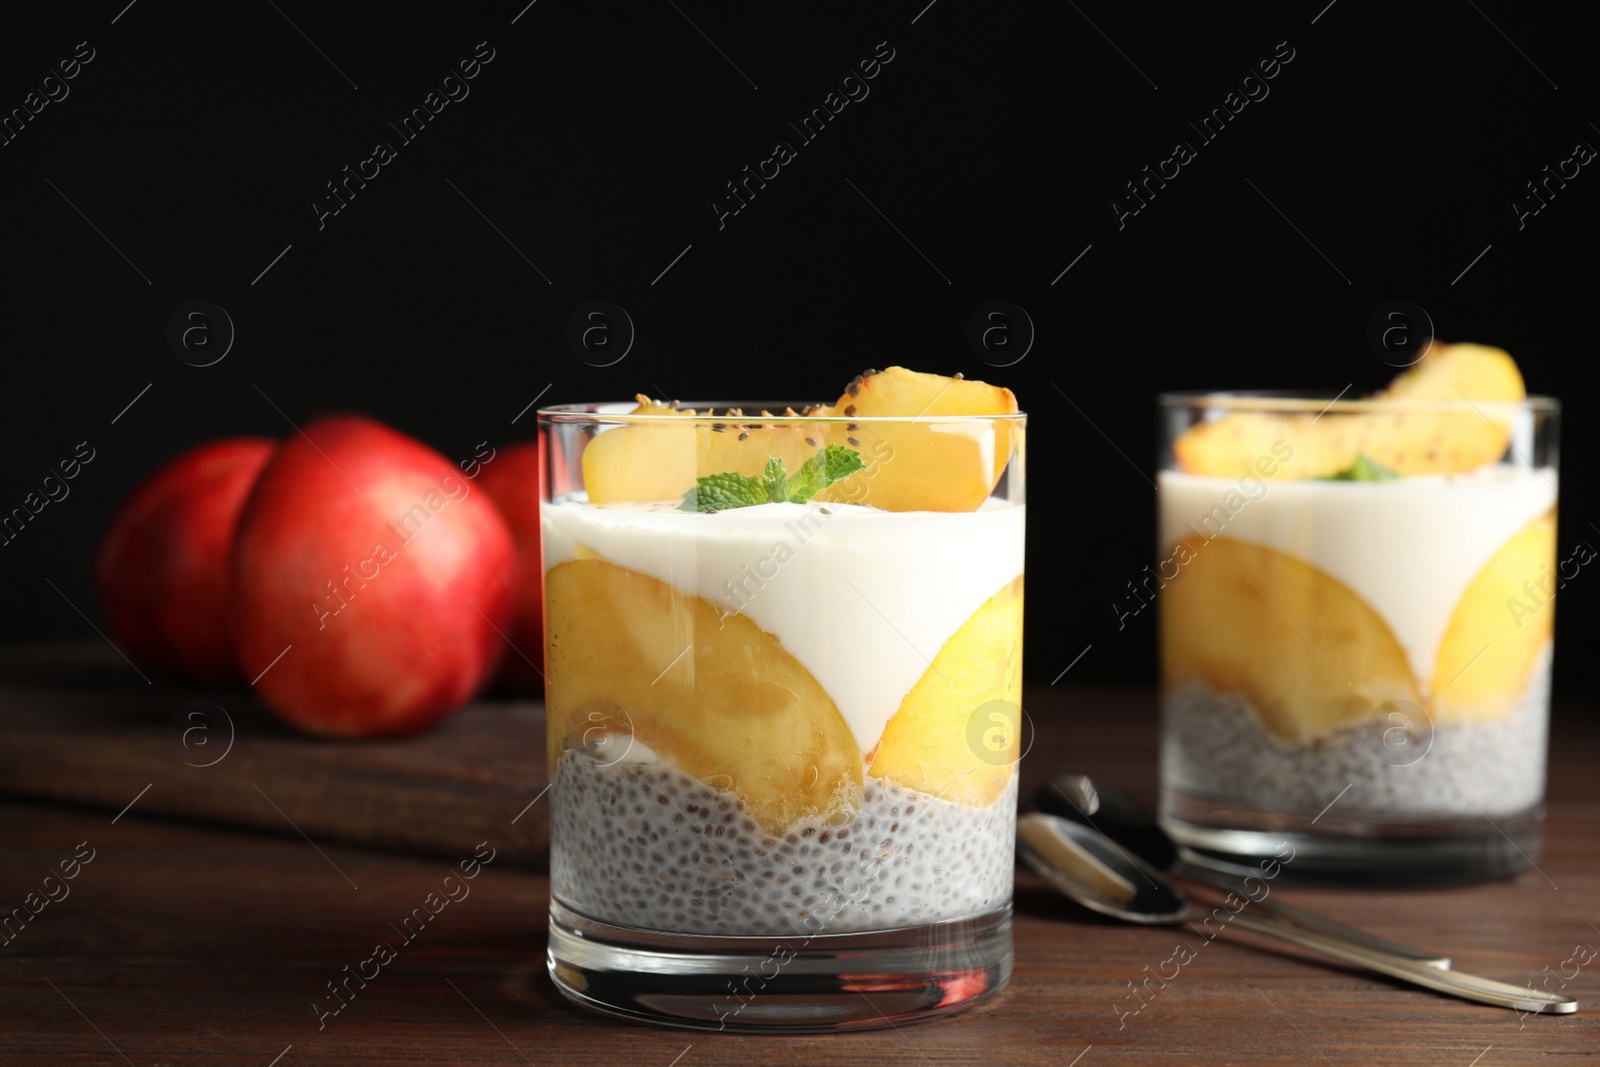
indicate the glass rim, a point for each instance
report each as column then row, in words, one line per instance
column 621, row 412
column 1295, row 401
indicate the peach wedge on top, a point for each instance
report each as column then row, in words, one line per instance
column 924, row 461
column 1435, row 427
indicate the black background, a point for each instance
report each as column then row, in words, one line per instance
column 597, row 137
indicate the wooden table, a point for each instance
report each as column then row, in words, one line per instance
column 186, row 944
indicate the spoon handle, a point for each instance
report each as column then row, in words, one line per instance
column 1312, row 921
column 1455, row 983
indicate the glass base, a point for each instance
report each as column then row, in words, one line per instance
column 773, row 984
column 1236, row 839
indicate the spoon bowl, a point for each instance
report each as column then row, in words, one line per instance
column 1088, row 867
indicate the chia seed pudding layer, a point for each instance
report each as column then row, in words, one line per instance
column 647, row 846
column 1214, row 747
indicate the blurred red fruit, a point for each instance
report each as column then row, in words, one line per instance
column 388, row 580
column 513, row 479
column 162, row 568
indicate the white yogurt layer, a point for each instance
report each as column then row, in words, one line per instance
column 1409, row 547
column 862, row 598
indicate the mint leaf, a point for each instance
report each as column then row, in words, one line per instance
column 730, row 489
column 806, row 483
column 822, row 470
column 718, row 492
column 840, row 463
column 1363, row 469
column 776, row 479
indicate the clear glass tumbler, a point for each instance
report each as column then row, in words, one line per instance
column 782, row 735
column 1356, row 603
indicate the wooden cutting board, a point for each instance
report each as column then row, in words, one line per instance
column 79, row 724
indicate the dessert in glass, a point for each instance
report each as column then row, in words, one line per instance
column 783, row 685
column 1357, row 602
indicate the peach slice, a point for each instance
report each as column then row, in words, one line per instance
column 926, row 465
column 1429, row 442
column 1232, row 446
column 1453, row 372
column 660, row 460
column 1304, row 648
column 1500, row 626
column 641, row 460
column 956, row 733
column 717, row 695
column 1412, row 442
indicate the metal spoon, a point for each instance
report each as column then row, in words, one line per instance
column 1088, row 868
column 1083, row 800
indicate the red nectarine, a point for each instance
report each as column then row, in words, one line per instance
column 383, row 581
column 513, row 479
column 162, row 568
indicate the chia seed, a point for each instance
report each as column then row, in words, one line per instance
column 960, row 855
column 1214, row 747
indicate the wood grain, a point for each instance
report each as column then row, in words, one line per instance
column 77, row 724
column 186, row 945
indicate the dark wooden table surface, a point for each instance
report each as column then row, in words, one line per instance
column 187, row 944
